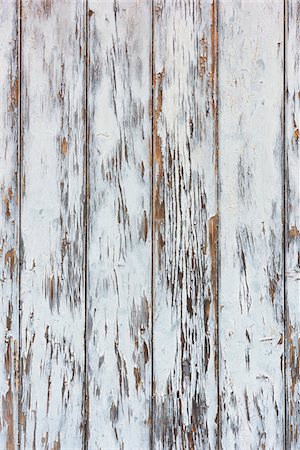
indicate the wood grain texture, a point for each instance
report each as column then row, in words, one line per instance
column 119, row 241
column 185, row 225
column 251, row 216
column 149, row 224
column 9, row 223
column 52, row 227
column 292, row 238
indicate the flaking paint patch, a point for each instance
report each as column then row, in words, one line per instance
column 14, row 91
column 159, row 208
column 213, row 245
column 294, row 232
column 9, row 259
column 64, row 146
column 137, row 377
column 8, row 417
column 56, row 445
column 6, row 200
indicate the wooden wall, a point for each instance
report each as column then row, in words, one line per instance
column 149, row 224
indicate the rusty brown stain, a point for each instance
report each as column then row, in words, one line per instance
column 137, row 377
column 56, row 444
column 2, row 247
column 157, row 84
column 7, row 198
column 294, row 232
column 64, row 146
column 145, row 226
column 159, row 207
column 213, row 245
column 7, row 414
column 22, row 419
column 10, row 260
column 296, row 133
column 7, row 358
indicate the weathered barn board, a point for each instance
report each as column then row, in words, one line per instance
column 119, row 240
column 185, row 225
column 52, row 224
column 9, row 222
column 149, row 224
column 292, row 237
column 251, row 327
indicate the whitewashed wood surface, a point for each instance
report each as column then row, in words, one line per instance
column 149, row 224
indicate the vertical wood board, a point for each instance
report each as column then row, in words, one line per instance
column 52, row 225
column 185, row 413
column 9, row 223
column 119, row 241
column 251, row 224
column 149, row 224
column 292, row 121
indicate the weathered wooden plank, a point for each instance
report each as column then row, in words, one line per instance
column 251, row 205
column 9, row 223
column 185, row 225
column 119, row 241
column 292, row 110
column 52, row 225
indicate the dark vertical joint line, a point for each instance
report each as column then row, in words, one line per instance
column 284, row 229
column 219, row 446
column 86, row 218
column 151, row 431
column 19, row 181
